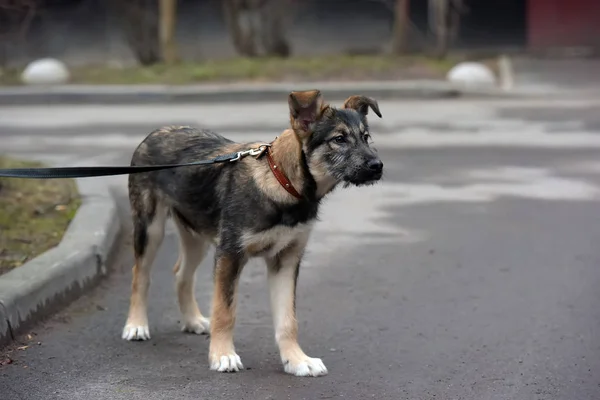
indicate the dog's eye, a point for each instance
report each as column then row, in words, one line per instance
column 340, row 139
column 367, row 137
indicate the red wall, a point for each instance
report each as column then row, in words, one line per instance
column 555, row 23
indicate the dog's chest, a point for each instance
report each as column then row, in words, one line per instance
column 271, row 242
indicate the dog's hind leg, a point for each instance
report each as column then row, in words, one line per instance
column 282, row 276
column 192, row 249
column 149, row 218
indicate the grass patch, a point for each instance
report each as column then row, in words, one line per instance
column 34, row 214
column 325, row 68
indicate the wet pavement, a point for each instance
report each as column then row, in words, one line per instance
column 470, row 272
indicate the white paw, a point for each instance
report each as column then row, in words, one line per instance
column 306, row 367
column 228, row 363
column 198, row 326
column 136, row 332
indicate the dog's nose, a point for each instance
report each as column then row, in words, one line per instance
column 375, row 165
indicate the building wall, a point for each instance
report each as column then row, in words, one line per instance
column 563, row 23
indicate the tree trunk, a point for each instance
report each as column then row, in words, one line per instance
column 400, row 28
column 456, row 10
column 257, row 26
column 273, row 21
column 139, row 19
column 15, row 22
column 168, row 22
column 236, row 14
column 438, row 14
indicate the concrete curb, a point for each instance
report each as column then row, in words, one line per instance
column 60, row 275
column 214, row 93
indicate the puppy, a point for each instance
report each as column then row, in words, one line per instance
column 263, row 205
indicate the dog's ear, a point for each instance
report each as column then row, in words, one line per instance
column 305, row 108
column 362, row 104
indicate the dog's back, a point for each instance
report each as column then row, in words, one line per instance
column 191, row 194
column 196, row 195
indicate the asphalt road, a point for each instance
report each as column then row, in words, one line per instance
column 580, row 74
column 470, row 272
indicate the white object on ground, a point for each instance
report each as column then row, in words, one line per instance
column 471, row 74
column 45, row 71
column 505, row 71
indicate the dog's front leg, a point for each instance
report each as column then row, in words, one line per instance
column 222, row 355
column 282, row 276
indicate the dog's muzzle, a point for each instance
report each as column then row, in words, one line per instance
column 370, row 173
column 375, row 168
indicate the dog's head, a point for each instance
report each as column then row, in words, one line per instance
column 336, row 142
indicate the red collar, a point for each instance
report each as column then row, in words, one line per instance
column 281, row 178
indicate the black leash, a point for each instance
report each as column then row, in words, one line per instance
column 86, row 172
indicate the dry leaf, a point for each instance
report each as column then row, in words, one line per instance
column 60, row 207
column 22, row 347
column 6, row 361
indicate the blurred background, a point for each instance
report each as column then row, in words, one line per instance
column 250, row 39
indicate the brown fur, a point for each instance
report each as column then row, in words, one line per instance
column 227, row 272
column 362, row 104
column 286, row 151
column 304, row 107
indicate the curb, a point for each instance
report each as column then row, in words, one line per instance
column 58, row 276
column 235, row 93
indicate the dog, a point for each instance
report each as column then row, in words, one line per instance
column 264, row 206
